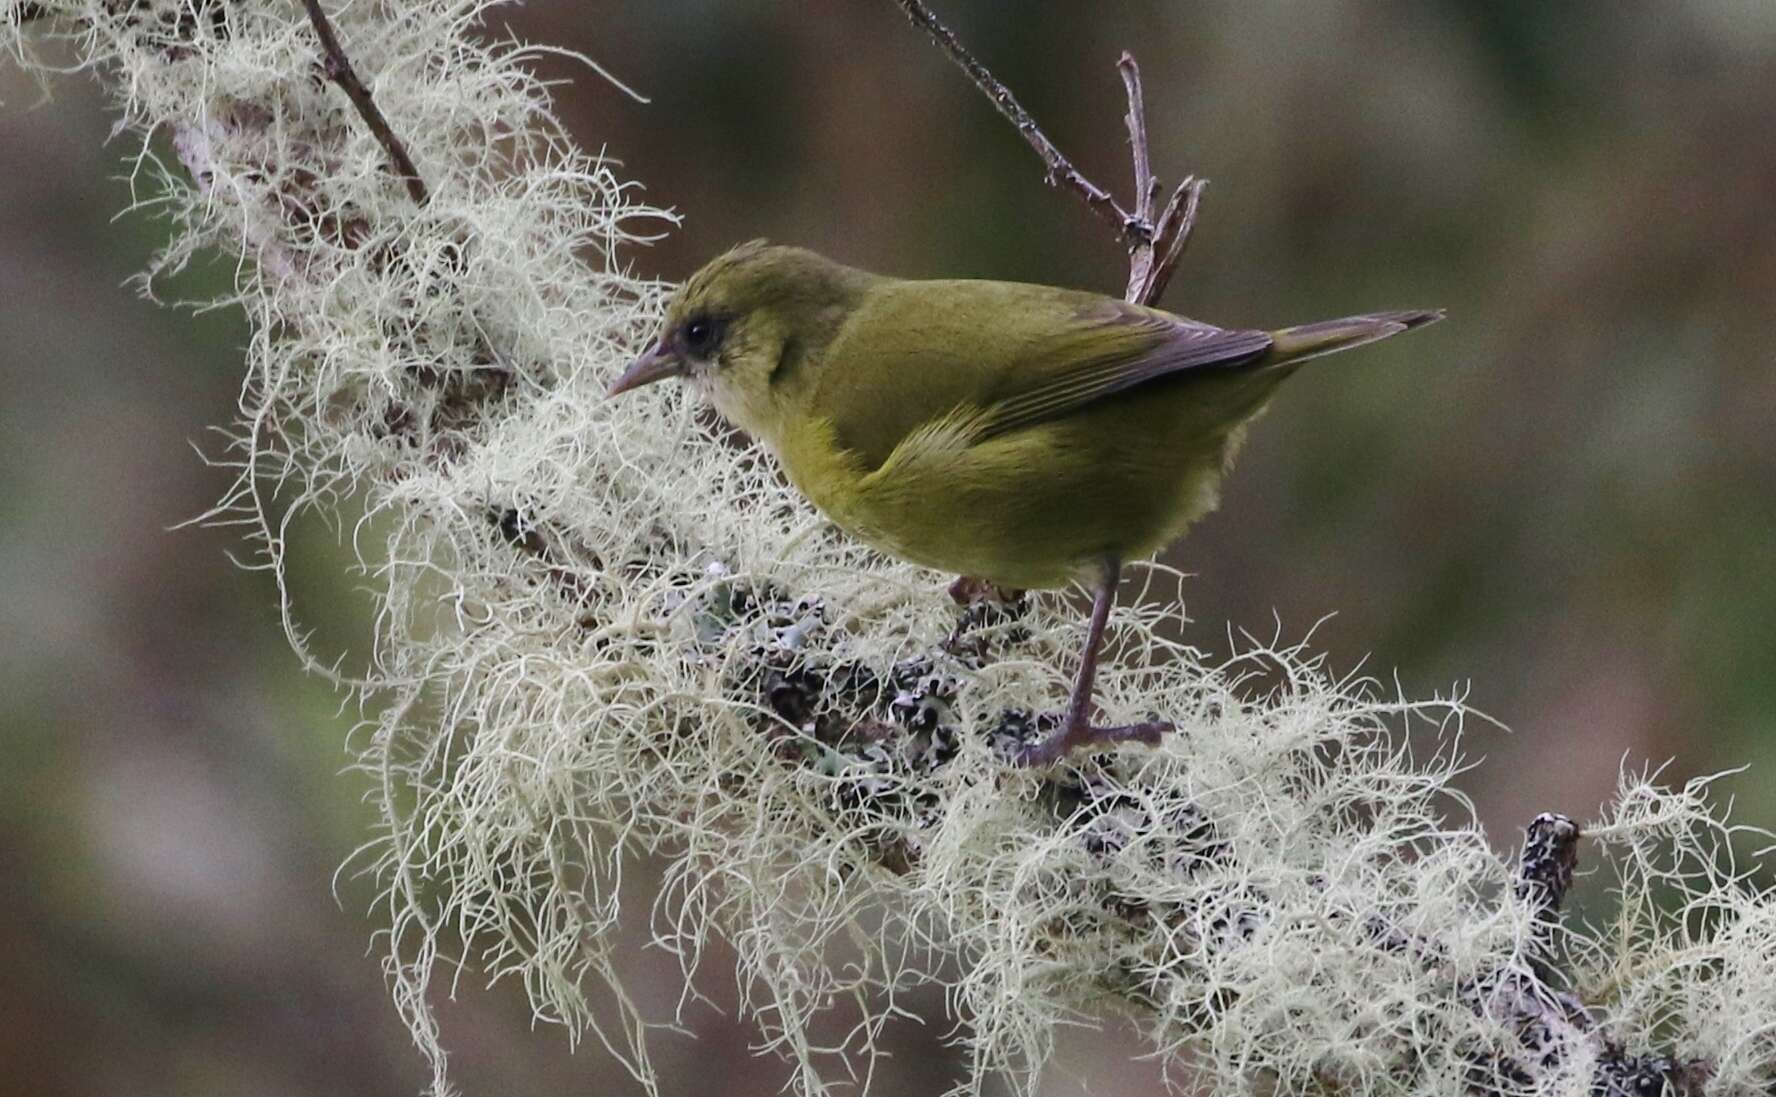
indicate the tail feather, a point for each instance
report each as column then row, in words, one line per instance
column 1291, row 346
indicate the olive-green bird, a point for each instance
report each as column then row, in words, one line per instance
column 1022, row 434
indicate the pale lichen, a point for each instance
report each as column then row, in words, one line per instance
column 607, row 630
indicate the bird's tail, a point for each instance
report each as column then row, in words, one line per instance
column 1292, row 346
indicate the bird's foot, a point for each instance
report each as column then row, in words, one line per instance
column 1070, row 738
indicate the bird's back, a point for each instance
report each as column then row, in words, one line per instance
column 916, row 350
column 900, row 445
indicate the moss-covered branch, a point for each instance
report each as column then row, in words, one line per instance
column 607, row 632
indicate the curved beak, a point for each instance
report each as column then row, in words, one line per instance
column 656, row 365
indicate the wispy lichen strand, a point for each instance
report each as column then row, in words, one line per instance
column 607, row 630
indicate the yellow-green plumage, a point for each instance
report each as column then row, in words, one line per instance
column 1021, row 434
column 1018, row 433
column 939, row 482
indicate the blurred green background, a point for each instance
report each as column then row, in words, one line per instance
column 1565, row 495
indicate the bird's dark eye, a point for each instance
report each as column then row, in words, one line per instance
column 700, row 335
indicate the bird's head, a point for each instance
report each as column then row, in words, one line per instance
column 750, row 330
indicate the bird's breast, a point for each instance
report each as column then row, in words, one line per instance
column 1035, row 508
column 820, row 468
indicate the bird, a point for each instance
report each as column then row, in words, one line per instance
column 1028, row 435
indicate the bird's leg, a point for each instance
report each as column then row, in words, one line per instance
column 1078, row 730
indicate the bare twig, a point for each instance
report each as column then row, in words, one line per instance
column 1141, row 247
column 1175, row 227
column 338, row 68
column 1146, row 186
column 1061, row 172
column 1154, row 244
column 1155, row 251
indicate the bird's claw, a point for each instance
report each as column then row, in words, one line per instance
column 1068, row 739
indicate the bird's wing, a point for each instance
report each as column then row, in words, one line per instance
column 1154, row 348
column 988, row 358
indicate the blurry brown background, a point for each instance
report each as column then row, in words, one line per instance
column 1566, row 494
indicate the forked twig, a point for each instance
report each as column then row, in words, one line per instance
column 1175, row 226
column 1154, row 257
column 338, row 68
column 1155, row 245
